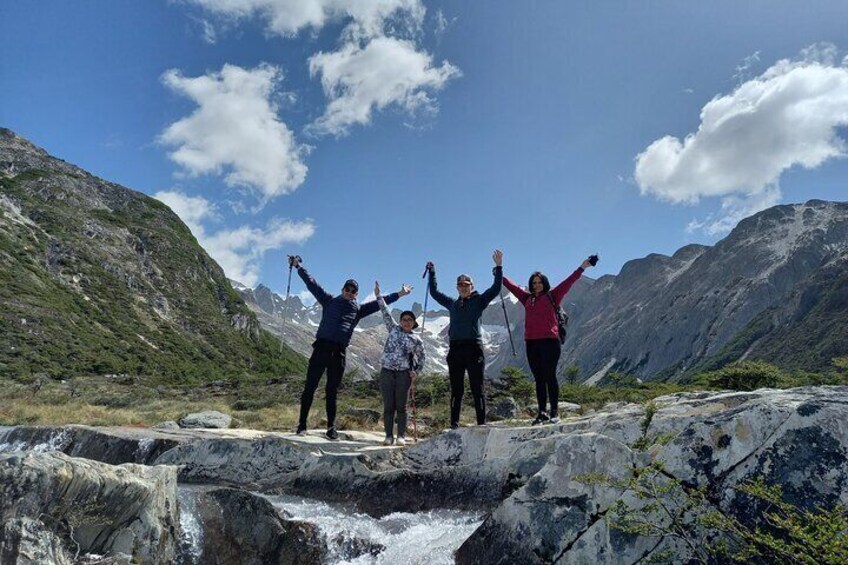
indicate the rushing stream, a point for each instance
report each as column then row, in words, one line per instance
column 422, row 538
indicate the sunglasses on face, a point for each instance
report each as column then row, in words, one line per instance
column 350, row 290
column 463, row 284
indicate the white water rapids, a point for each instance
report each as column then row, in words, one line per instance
column 421, row 538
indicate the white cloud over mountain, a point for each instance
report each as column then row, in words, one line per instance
column 787, row 116
column 235, row 131
column 386, row 71
column 239, row 251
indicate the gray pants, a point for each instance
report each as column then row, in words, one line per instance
column 395, row 387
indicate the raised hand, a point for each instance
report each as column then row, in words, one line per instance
column 376, row 288
column 429, row 267
column 498, row 257
column 294, row 261
column 404, row 290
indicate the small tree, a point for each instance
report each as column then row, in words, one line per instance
column 571, row 373
column 517, row 384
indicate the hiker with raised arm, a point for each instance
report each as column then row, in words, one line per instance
column 338, row 319
column 466, row 345
column 543, row 335
column 403, row 358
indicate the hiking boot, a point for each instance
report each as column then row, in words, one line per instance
column 400, row 440
column 554, row 420
column 454, row 425
column 301, row 430
column 540, row 419
column 332, row 433
column 388, row 441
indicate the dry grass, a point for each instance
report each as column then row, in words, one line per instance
column 99, row 404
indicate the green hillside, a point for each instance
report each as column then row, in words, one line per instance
column 98, row 279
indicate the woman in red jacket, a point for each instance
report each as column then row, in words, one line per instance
column 541, row 334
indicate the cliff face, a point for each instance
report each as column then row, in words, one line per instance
column 96, row 278
column 748, row 296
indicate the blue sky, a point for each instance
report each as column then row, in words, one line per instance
column 370, row 137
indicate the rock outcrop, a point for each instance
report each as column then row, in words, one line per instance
column 531, row 481
column 54, row 507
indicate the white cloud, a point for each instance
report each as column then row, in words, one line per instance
column 236, row 131
column 289, row 17
column 239, row 251
column 192, row 210
column 386, row 71
column 378, row 63
column 787, row 116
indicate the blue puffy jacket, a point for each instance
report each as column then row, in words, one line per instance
column 339, row 316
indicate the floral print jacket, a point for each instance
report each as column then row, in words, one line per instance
column 400, row 345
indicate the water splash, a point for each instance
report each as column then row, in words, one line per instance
column 142, row 451
column 191, row 531
column 358, row 539
column 57, row 440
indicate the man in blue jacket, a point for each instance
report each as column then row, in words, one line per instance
column 338, row 320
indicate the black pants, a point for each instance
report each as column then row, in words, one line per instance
column 466, row 356
column 543, row 355
column 329, row 356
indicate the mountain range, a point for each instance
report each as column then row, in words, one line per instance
column 774, row 289
column 96, row 278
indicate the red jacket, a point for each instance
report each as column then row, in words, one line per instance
column 539, row 315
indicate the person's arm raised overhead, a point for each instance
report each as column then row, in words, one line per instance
column 439, row 297
column 368, row 308
column 495, row 289
column 321, row 295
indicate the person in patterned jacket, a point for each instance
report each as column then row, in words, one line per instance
column 403, row 357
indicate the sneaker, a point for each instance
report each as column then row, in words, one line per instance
column 389, row 440
column 332, row 433
column 301, row 430
column 540, row 419
column 400, row 440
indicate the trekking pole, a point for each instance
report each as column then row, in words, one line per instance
column 508, row 329
column 412, row 385
column 412, row 401
column 426, row 296
column 288, row 291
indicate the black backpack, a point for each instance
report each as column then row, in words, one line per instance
column 562, row 318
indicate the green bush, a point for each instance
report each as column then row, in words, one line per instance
column 743, row 375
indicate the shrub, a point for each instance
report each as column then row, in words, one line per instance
column 743, row 375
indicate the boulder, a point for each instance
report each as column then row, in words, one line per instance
column 166, row 425
column 503, row 409
column 69, row 505
column 207, row 419
column 241, row 527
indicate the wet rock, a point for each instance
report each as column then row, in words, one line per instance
column 207, row 419
column 349, row 547
column 85, row 506
column 240, row 527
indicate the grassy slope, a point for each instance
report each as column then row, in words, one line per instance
column 78, row 291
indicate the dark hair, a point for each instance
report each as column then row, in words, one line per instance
column 546, row 284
